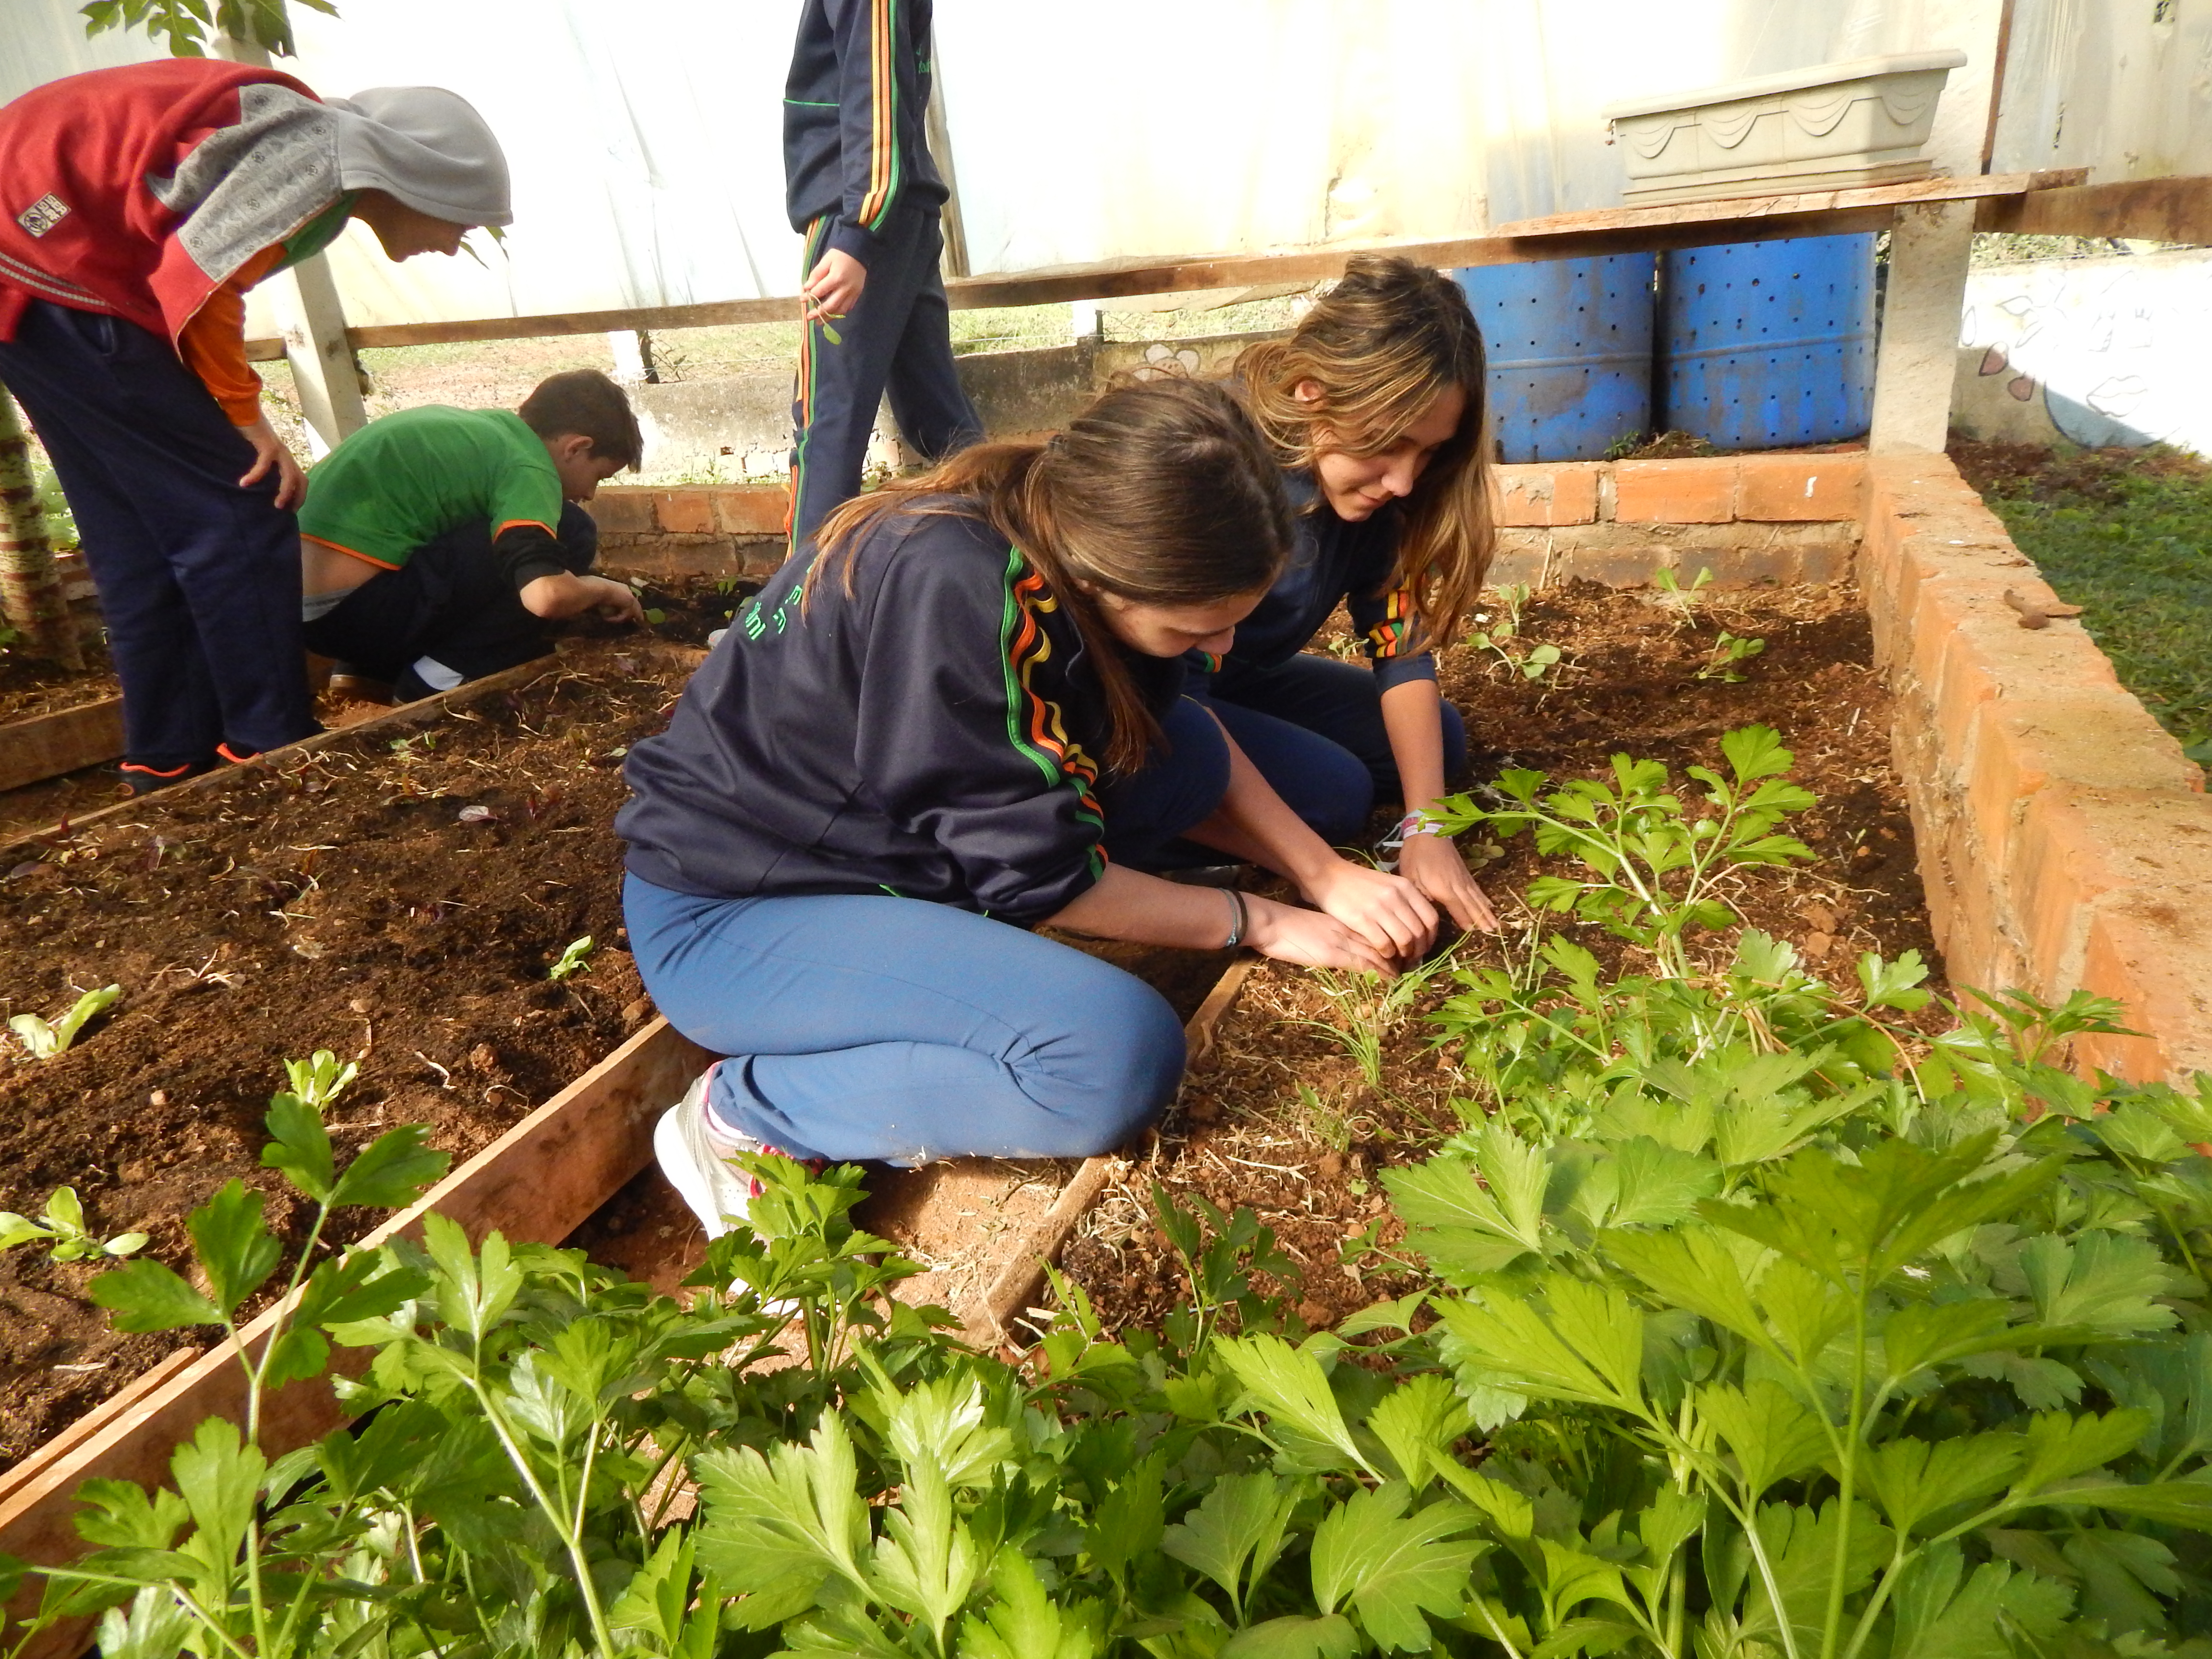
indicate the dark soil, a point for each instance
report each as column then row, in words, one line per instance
column 30, row 686
column 690, row 607
column 2068, row 476
column 337, row 901
column 1243, row 1135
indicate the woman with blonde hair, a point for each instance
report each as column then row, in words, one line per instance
column 1374, row 408
column 946, row 721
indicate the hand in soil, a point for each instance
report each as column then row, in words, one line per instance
column 1393, row 915
column 1290, row 932
column 1433, row 864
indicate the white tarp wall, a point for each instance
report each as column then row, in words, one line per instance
column 646, row 136
column 2121, row 87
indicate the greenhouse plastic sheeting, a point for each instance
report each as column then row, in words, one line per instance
column 645, row 139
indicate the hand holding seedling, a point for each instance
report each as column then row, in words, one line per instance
column 1393, row 915
column 832, row 290
column 1290, row 932
column 268, row 450
column 1434, row 866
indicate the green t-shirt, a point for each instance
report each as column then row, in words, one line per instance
column 415, row 474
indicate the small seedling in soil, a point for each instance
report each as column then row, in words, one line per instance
column 63, row 1231
column 1533, row 663
column 576, row 959
column 1682, row 601
column 319, row 1081
column 414, row 747
column 1727, row 650
column 46, row 1040
column 1649, row 870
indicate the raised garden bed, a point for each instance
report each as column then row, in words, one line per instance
column 1286, row 1124
column 334, row 899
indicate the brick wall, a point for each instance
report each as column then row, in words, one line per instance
column 1750, row 519
column 723, row 529
column 2065, row 841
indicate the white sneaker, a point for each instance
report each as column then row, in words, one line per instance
column 695, row 1152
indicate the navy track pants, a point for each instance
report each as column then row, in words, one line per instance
column 198, row 578
column 898, row 339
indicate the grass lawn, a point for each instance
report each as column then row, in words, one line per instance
column 2127, row 535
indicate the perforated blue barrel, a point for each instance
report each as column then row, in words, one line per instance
column 1568, row 344
column 1763, row 345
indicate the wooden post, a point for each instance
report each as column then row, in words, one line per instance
column 312, row 323
column 31, row 599
column 1929, row 250
column 314, row 326
column 940, row 150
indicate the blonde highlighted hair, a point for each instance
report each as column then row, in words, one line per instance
column 1382, row 346
column 1160, row 493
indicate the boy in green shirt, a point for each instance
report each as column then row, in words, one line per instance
column 436, row 545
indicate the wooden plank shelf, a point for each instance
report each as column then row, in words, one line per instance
column 1560, row 236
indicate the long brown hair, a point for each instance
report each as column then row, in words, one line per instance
column 1160, row 493
column 1382, row 345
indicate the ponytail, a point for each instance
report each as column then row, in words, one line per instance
column 1160, row 493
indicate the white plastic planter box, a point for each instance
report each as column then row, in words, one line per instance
column 1827, row 127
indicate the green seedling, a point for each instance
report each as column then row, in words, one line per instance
column 46, row 1040
column 832, row 335
column 1532, row 662
column 655, row 616
column 576, row 959
column 1727, row 650
column 1681, row 600
column 414, row 746
column 1649, row 870
column 62, row 1230
column 321, row 1080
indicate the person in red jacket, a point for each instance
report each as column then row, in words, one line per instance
column 137, row 207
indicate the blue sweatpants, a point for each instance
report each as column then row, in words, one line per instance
column 198, row 579
column 892, row 1029
column 899, row 338
column 1313, row 726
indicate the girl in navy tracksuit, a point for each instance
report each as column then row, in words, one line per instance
column 1374, row 406
column 963, row 717
column 860, row 187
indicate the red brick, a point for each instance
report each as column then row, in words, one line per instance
column 2154, row 955
column 2078, row 843
column 1543, row 496
column 755, row 510
column 1615, row 566
column 622, row 509
column 1794, row 488
column 685, row 512
column 1674, row 492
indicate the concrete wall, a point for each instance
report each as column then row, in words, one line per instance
column 738, row 427
column 2099, row 352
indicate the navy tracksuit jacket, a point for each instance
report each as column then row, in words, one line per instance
column 858, row 179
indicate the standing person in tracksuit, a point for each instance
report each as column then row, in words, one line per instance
column 862, row 189
column 138, row 205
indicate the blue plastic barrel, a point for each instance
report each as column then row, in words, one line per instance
column 1763, row 345
column 1569, row 343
